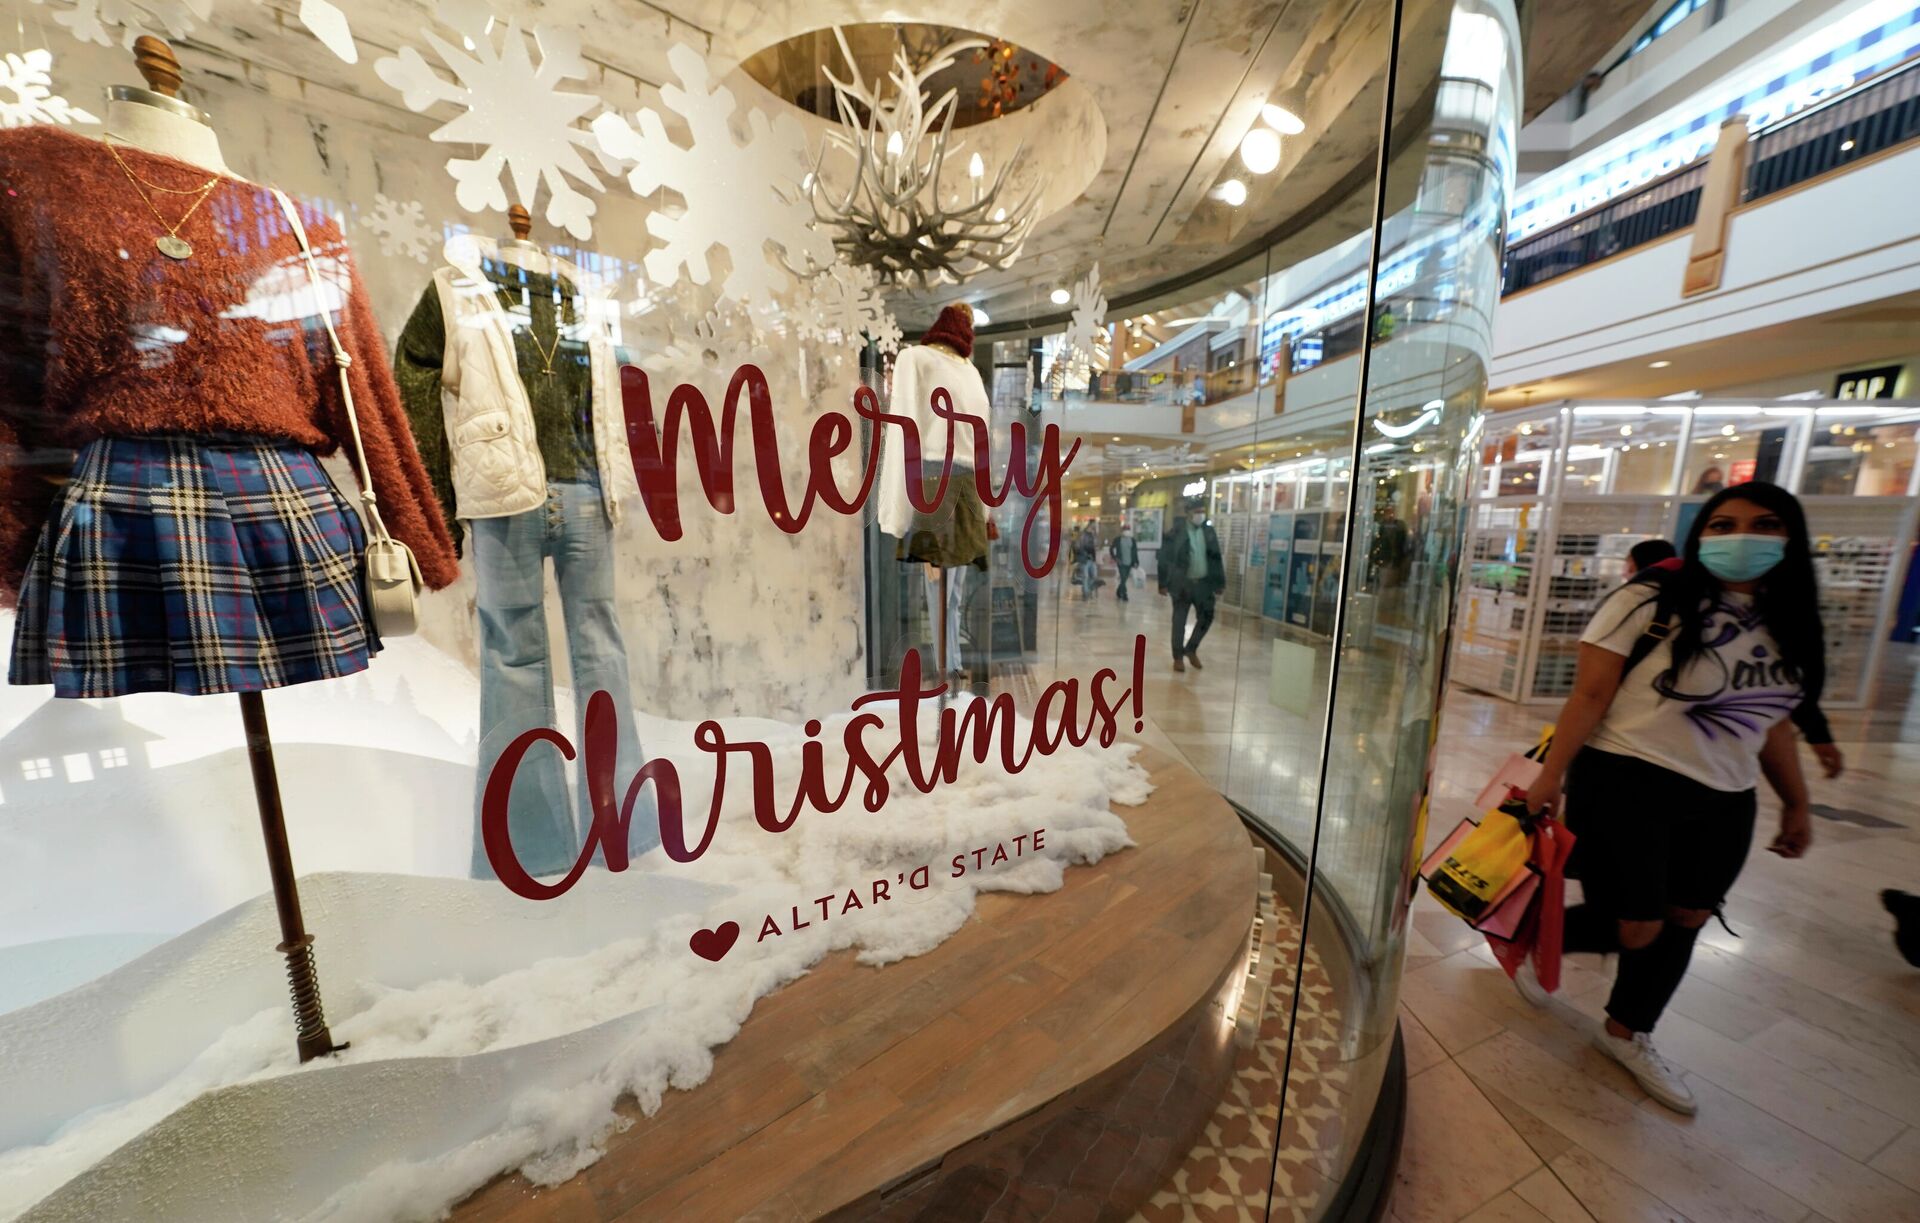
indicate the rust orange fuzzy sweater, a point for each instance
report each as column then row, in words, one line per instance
column 102, row 335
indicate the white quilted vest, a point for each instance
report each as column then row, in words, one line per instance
column 497, row 468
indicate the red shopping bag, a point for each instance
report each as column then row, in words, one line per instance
column 1536, row 929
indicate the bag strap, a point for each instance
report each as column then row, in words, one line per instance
column 342, row 359
column 1666, row 617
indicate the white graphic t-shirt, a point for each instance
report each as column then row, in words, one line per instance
column 1711, row 723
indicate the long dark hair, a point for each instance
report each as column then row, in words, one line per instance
column 1787, row 598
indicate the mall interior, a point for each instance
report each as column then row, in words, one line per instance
column 889, row 387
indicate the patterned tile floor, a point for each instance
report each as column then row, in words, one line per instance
column 1225, row 1177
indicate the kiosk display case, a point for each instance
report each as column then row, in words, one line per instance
column 1566, row 490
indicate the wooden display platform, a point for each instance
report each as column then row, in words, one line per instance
column 1059, row 1052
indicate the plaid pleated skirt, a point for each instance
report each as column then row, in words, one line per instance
column 193, row 565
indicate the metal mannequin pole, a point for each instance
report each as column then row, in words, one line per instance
column 309, row 1017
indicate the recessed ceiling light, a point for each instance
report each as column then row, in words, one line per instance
column 1260, row 150
column 1282, row 120
column 1658, row 364
column 1060, row 297
column 1845, row 145
column 1232, row 193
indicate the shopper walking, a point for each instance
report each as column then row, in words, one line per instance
column 1086, row 564
column 1126, row 556
column 1905, row 908
column 1650, row 552
column 1192, row 572
column 1683, row 688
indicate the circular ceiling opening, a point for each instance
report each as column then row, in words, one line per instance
column 988, row 81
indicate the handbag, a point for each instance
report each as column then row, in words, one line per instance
column 393, row 578
column 1516, row 774
column 1482, row 863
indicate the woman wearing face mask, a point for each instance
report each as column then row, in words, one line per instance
column 1685, row 681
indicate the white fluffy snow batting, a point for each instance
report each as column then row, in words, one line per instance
column 488, row 1033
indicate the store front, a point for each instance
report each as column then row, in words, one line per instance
column 1565, row 491
column 572, row 665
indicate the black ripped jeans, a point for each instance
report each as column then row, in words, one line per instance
column 1649, row 841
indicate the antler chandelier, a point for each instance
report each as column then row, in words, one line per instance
column 898, row 215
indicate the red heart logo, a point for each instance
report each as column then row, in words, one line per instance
column 715, row 943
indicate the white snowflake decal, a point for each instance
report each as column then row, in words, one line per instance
column 716, row 340
column 840, row 304
column 518, row 112
column 1089, row 314
column 741, row 196
column 93, row 20
column 885, row 333
column 328, row 24
column 401, row 226
column 26, row 92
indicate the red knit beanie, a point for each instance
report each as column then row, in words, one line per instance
column 954, row 328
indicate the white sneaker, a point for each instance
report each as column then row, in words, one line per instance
column 1528, row 983
column 1657, row 1076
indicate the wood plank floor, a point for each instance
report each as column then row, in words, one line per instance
column 1801, row 1038
column 852, row 1077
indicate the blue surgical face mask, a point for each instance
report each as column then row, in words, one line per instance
column 1741, row 558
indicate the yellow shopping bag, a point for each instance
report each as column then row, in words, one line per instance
column 1479, row 863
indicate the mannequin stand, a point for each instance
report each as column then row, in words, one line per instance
column 309, row 1017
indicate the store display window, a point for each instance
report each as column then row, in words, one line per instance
column 606, row 617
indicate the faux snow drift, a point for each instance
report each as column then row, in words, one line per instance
column 488, row 1032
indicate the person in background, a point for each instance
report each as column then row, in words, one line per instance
column 1126, row 556
column 1086, row 566
column 1905, row 907
column 1193, row 573
column 1650, row 552
column 1658, row 554
column 1661, row 762
column 1712, row 480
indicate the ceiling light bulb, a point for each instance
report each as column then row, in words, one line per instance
column 1658, row 364
column 1282, row 120
column 895, row 144
column 999, row 214
column 976, row 168
column 980, row 316
column 1233, row 193
column 1626, row 430
column 1728, row 430
column 1060, row 297
column 1260, row 150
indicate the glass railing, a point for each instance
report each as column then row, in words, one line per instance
column 1878, row 115
column 1663, row 206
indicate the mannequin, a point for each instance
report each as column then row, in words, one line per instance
column 954, row 536
column 155, row 119
column 505, row 367
column 253, row 578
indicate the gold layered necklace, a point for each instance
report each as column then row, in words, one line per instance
column 170, row 244
column 548, row 353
